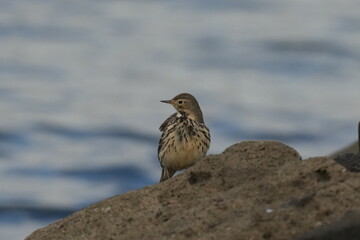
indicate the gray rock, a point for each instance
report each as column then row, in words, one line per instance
column 253, row 190
column 350, row 161
column 348, row 228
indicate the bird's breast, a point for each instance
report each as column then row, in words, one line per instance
column 184, row 142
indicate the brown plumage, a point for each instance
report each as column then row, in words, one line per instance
column 185, row 139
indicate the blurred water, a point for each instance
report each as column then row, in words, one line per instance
column 80, row 84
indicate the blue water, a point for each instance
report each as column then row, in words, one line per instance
column 81, row 84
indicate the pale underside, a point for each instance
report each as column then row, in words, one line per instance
column 178, row 152
column 183, row 155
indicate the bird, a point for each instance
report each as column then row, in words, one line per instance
column 185, row 138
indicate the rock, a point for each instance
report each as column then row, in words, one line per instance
column 351, row 161
column 347, row 228
column 253, row 190
column 351, row 148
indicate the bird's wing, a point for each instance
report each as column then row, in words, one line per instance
column 162, row 128
column 167, row 121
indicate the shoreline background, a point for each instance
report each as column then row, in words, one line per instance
column 81, row 84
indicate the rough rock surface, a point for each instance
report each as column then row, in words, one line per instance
column 351, row 148
column 351, row 161
column 253, row 190
column 347, row 228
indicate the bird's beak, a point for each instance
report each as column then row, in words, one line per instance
column 166, row 101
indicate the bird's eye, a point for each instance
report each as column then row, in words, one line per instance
column 180, row 102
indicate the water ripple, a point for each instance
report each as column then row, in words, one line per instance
column 17, row 214
column 42, row 32
column 112, row 132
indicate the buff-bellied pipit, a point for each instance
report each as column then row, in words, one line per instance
column 185, row 138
